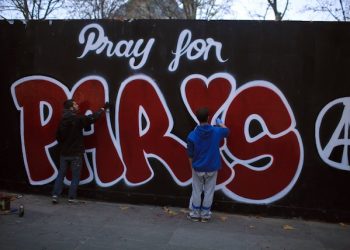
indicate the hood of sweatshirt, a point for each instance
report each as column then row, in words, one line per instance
column 204, row 131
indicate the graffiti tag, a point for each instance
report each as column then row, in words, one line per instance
column 340, row 137
column 124, row 153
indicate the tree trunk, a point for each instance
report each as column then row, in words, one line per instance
column 25, row 12
column 190, row 8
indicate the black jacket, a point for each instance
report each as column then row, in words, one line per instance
column 70, row 132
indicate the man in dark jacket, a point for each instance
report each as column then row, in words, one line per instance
column 203, row 149
column 71, row 143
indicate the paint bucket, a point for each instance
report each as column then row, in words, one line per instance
column 5, row 203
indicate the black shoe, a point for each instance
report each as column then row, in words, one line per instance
column 54, row 199
column 21, row 211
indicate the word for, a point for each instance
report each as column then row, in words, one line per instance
column 194, row 50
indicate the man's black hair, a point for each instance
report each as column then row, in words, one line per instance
column 68, row 104
column 202, row 114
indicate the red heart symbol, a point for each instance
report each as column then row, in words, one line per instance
column 214, row 93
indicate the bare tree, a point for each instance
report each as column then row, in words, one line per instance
column 278, row 15
column 337, row 9
column 31, row 9
column 93, row 9
column 204, row 9
column 274, row 6
column 149, row 9
column 174, row 9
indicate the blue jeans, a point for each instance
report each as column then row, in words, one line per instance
column 75, row 162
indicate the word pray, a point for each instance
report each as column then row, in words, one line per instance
column 94, row 39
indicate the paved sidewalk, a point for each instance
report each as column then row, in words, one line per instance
column 102, row 225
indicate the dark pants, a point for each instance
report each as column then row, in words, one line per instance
column 75, row 162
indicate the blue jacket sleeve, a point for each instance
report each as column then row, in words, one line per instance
column 225, row 132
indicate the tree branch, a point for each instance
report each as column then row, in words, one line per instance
column 285, row 9
column 342, row 9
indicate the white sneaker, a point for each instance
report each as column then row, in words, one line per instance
column 194, row 215
column 54, row 199
column 205, row 218
column 75, row 201
column 193, row 218
column 205, row 215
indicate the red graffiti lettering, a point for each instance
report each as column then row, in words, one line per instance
column 214, row 93
column 278, row 141
column 30, row 94
column 107, row 164
column 259, row 166
column 140, row 100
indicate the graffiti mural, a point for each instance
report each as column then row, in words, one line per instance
column 155, row 81
column 126, row 157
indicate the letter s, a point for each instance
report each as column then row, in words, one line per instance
column 279, row 142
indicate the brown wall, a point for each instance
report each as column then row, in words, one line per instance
column 281, row 87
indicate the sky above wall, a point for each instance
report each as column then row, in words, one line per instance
column 242, row 10
column 251, row 9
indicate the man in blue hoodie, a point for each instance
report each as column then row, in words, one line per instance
column 203, row 149
column 71, row 143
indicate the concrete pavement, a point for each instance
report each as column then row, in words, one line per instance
column 103, row 225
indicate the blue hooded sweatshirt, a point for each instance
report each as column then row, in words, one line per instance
column 203, row 146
